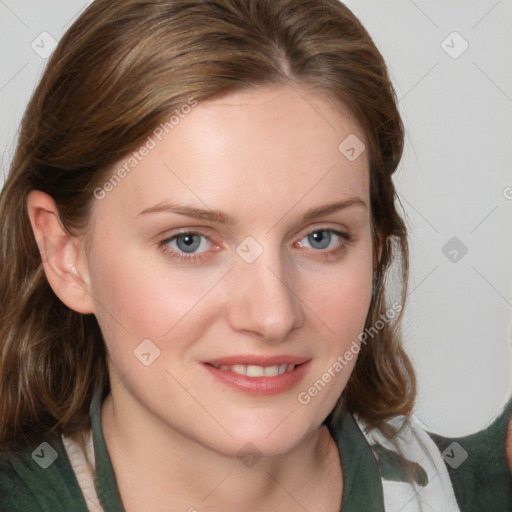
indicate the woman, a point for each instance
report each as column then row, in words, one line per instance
column 198, row 309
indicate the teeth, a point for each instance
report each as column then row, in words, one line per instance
column 257, row 371
column 238, row 368
column 270, row 371
column 254, row 371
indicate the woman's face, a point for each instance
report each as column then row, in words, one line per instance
column 239, row 247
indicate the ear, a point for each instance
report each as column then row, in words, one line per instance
column 64, row 257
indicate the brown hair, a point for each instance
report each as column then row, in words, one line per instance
column 121, row 70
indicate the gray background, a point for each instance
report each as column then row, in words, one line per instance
column 455, row 180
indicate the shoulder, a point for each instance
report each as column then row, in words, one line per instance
column 14, row 493
column 39, row 479
column 477, row 466
column 467, row 473
column 412, row 468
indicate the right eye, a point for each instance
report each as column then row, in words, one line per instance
column 188, row 246
column 189, row 243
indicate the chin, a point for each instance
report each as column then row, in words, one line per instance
column 266, row 434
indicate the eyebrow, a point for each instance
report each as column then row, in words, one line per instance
column 332, row 208
column 189, row 211
column 223, row 218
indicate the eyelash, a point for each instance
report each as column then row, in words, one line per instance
column 183, row 257
column 192, row 258
column 328, row 255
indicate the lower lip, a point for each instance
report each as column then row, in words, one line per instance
column 260, row 386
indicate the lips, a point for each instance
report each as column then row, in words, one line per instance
column 256, row 360
column 259, row 375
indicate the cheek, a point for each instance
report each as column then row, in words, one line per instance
column 143, row 297
column 125, row 292
column 341, row 304
column 341, row 297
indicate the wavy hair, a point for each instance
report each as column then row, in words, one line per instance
column 120, row 70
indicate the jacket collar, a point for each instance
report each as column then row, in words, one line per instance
column 362, row 484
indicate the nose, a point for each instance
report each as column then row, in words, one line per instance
column 263, row 302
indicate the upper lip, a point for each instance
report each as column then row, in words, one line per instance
column 257, row 360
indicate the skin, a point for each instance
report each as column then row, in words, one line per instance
column 264, row 157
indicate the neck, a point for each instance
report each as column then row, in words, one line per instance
column 162, row 467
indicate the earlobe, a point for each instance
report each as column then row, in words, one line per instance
column 61, row 254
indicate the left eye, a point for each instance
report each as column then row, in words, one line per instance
column 321, row 240
column 189, row 243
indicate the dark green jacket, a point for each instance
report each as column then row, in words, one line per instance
column 481, row 484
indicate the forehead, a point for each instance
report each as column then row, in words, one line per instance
column 252, row 149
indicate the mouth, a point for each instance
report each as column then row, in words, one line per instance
column 259, row 376
column 256, row 371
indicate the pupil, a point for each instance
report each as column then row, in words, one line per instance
column 320, row 239
column 188, row 243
